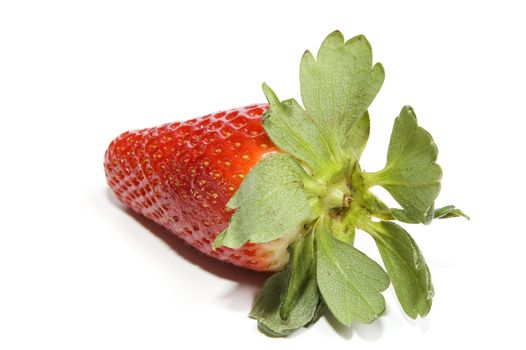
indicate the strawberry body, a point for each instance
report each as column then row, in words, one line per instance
column 182, row 174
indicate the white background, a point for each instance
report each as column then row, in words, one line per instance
column 78, row 272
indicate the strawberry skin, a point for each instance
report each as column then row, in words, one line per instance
column 182, row 174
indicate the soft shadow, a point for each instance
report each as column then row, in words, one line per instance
column 343, row 331
column 423, row 324
column 370, row 332
column 252, row 280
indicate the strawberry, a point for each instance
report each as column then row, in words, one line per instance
column 182, row 174
column 279, row 187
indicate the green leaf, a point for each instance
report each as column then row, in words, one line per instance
column 358, row 136
column 289, row 300
column 218, row 242
column 350, row 282
column 447, row 212
column 411, row 174
column 295, row 132
column 301, row 272
column 270, row 202
column 267, row 305
column 406, row 267
column 339, row 84
column 375, row 206
column 269, row 332
column 318, row 313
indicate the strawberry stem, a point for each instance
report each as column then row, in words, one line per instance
column 336, row 196
column 313, row 187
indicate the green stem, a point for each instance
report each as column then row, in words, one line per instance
column 314, row 187
column 371, row 179
column 342, row 230
column 369, row 226
column 335, row 197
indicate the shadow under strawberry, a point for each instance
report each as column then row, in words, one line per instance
column 224, row 270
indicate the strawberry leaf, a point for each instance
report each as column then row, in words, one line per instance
column 320, row 311
column 295, row 132
column 358, row 136
column 447, row 212
column 411, row 174
column 218, row 241
column 350, row 282
column 406, row 267
column 301, row 288
column 270, row 202
column 301, row 272
column 338, row 86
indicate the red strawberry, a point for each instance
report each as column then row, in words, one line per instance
column 285, row 192
column 182, row 174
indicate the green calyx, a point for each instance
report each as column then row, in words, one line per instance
column 316, row 189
